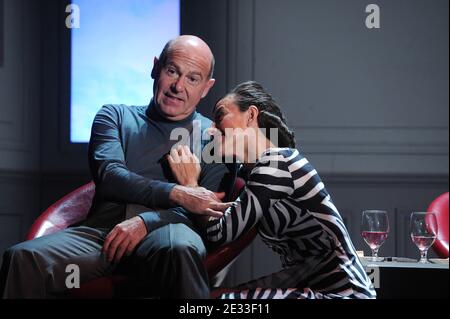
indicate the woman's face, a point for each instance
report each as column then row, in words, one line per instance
column 236, row 128
column 228, row 116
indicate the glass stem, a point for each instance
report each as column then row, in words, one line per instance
column 423, row 256
column 375, row 253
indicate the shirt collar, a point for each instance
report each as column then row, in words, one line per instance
column 152, row 113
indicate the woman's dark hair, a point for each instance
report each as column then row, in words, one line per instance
column 270, row 116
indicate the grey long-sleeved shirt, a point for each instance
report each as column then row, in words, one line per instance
column 127, row 162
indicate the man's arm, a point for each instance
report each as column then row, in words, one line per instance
column 216, row 177
column 113, row 180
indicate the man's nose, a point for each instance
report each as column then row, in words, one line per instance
column 178, row 85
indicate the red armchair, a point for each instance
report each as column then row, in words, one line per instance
column 74, row 207
column 439, row 207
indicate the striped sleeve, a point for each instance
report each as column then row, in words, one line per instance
column 269, row 181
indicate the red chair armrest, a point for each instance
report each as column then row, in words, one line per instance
column 224, row 255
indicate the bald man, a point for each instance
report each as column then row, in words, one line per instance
column 139, row 221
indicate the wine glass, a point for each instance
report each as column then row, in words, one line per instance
column 424, row 229
column 374, row 230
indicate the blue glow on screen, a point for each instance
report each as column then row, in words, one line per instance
column 112, row 55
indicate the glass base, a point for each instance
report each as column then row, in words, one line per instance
column 373, row 258
column 424, row 256
column 424, row 261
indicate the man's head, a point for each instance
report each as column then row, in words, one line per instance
column 183, row 76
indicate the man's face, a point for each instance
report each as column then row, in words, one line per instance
column 182, row 81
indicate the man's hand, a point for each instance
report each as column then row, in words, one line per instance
column 199, row 200
column 185, row 166
column 123, row 238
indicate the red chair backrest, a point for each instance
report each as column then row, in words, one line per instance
column 440, row 208
column 69, row 210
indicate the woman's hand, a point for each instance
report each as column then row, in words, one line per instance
column 185, row 166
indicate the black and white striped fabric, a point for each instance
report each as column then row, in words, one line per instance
column 286, row 199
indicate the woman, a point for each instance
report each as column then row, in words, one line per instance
column 286, row 199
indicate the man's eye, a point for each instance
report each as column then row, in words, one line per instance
column 193, row 80
column 171, row 71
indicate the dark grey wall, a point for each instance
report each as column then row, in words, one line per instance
column 362, row 101
column 370, row 107
column 19, row 120
column 35, row 169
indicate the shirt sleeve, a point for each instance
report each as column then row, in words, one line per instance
column 159, row 218
column 113, row 180
column 269, row 181
column 215, row 177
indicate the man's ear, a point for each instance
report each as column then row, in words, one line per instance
column 209, row 85
column 156, row 68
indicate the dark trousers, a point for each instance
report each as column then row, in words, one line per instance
column 168, row 263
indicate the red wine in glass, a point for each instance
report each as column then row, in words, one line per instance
column 424, row 229
column 374, row 230
column 374, row 238
column 423, row 242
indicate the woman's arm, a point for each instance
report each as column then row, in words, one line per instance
column 269, row 181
